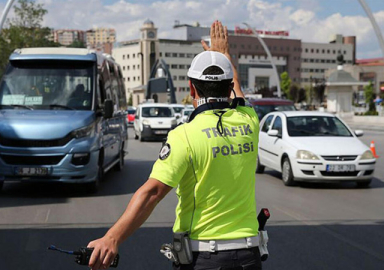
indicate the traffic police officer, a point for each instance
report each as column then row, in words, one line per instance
column 211, row 160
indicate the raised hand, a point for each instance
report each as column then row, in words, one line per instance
column 219, row 39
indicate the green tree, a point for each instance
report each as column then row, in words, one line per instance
column 24, row 30
column 77, row 44
column 369, row 96
column 130, row 100
column 285, row 84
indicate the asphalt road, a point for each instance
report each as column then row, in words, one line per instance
column 313, row 226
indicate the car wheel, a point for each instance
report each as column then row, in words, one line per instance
column 94, row 186
column 140, row 137
column 136, row 137
column 287, row 174
column 120, row 165
column 260, row 168
column 363, row 184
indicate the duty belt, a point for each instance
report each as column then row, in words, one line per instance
column 218, row 245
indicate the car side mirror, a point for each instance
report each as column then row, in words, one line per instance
column 359, row 133
column 108, row 108
column 273, row 133
column 177, row 116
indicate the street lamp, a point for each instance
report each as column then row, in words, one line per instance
column 269, row 56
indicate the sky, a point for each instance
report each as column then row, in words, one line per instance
column 308, row 20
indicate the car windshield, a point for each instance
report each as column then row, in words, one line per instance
column 131, row 111
column 310, row 126
column 178, row 109
column 47, row 85
column 262, row 110
column 157, row 112
column 187, row 112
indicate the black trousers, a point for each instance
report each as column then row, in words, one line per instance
column 238, row 259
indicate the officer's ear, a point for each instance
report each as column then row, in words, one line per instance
column 192, row 89
column 230, row 89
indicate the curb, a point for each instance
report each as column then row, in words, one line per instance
column 361, row 126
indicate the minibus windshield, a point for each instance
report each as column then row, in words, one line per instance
column 47, row 85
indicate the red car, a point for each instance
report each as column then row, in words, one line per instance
column 264, row 106
column 131, row 115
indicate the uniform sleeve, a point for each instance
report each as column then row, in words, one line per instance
column 250, row 111
column 173, row 160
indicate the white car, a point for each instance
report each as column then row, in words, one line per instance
column 177, row 108
column 153, row 120
column 185, row 115
column 313, row 146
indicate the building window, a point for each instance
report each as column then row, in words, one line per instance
column 134, row 78
column 123, row 57
column 134, row 67
column 311, row 50
column 127, row 56
column 323, row 51
column 311, row 60
column 167, row 54
column 306, row 50
column 123, row 67
column 128, row 79
column 345, row 52
column 174, row 54
column 317, row 50
column 133, row 55
column 161, row 54
column 181, row 66
column 242, row 46
column 334, row 51
column 181, row 54
column 182, row 78
column 328, row 51
column 174, row 66
column 138, row 66
column 190, row 55
column 138, row 78
column 174, row 77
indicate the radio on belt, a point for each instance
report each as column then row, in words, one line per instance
column 262, row 218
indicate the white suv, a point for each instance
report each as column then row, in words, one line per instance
column 154, row 120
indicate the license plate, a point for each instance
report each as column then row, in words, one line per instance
column 161, row 132
column 31, row 171
column 341, row 168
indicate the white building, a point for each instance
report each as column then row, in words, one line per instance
column 316, row 58
column 137, row 57
column 304, row 62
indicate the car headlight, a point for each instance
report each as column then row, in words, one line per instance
column 173, row 122
column 303, row 154
column 146, row 122
column 367, row 155
column 84, row 131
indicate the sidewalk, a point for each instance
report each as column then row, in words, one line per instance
column 373, row 123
